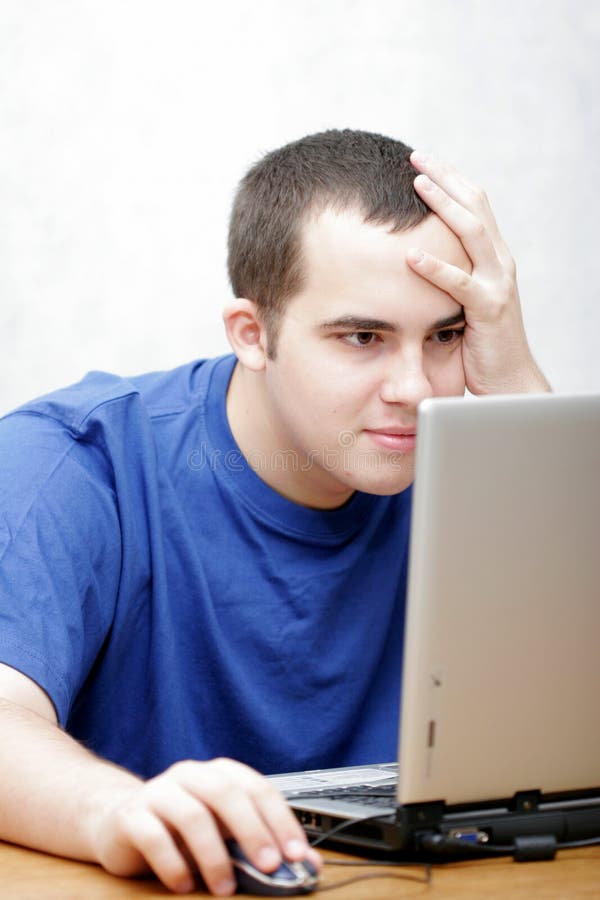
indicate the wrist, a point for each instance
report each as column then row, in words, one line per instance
column 98, row 804
column 532, row 381
column 521, row 375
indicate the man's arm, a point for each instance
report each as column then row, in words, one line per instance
column 496, row 354
column 58, row 797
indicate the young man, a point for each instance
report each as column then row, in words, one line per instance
column 211, row 562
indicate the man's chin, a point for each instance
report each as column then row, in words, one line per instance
column 385, row 484
column 386, row 491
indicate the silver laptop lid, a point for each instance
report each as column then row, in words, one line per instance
column 501, row 680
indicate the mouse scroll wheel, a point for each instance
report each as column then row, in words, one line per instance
column 293, row 872
column 304, row 871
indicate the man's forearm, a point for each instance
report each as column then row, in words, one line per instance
column 52, row 788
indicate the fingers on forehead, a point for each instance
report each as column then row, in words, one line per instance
column 470, row 228
column 449, row 179
column 454, row 214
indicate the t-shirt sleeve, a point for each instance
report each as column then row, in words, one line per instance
column 60, row 554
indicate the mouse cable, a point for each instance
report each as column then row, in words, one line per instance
column 426, row 879
column 341, row 826
column 372, row 875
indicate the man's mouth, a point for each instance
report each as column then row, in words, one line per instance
column 402, row 440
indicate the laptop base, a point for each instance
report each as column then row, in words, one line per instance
column 527, row 826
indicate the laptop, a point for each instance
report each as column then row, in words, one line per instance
column 499, row 746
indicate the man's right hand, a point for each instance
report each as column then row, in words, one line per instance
column 58, row 797
column 175, row 824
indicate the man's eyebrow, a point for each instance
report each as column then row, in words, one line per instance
column 358, row 323
column 458, row 319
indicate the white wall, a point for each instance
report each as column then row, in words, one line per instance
column 126, row 124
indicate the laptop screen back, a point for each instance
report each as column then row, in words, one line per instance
column 501, row 677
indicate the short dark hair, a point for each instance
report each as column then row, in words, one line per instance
column 342, row 169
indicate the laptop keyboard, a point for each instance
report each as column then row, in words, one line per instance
column 365, row 794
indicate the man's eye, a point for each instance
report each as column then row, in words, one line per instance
column 360, row 338
column 449, row 335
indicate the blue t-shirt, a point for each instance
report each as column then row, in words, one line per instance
column 173, row 605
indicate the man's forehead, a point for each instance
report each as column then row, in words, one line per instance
column 330, row 229
column 355, row 273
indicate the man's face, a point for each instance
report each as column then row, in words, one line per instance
column 362, row 343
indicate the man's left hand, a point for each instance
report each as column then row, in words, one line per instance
column 496, row 355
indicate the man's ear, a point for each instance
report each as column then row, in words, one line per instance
column 246, row 333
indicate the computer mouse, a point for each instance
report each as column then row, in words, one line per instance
column 289, row 879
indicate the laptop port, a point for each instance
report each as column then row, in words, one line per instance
column 308, row 819
column 469, row 835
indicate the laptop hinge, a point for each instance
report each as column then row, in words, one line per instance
column 421, row 815
column 525, row 801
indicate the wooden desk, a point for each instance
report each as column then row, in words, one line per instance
column 28, row 875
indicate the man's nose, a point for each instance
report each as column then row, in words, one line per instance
column 406, row 381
